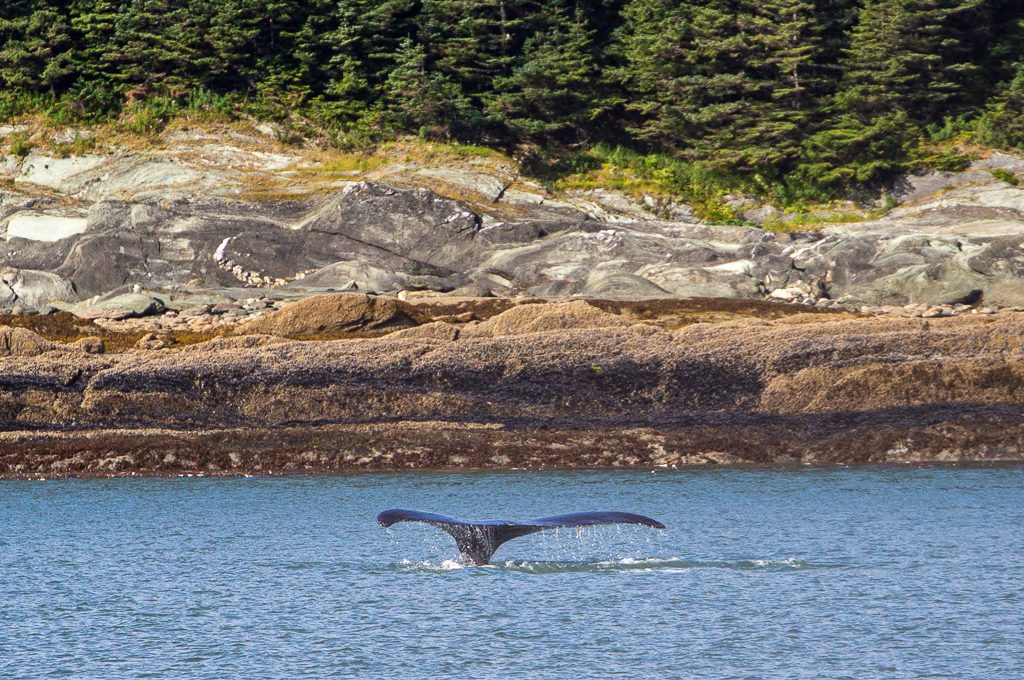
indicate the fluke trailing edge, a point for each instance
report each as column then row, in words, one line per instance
column 477, row 539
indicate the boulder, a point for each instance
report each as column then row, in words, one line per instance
column 37, row 288
column 152, row 341
column 90, row 345
column 21, row 342
column 340, row 313
column 126, row 306
column 411, row 223
column 539, row 318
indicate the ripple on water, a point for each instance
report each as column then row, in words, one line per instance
column 860, row 573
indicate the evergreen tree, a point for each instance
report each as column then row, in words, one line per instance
column 363, row 45
column 845, row 91
column 37, row 49
column 652, row 44
column 158, row 47
column 731, row 83
column 416, row 99
column 906, row 67
column 95, row 25
column 551, row 95
column 1002, row 122
column 784, row 82
column 472, row 42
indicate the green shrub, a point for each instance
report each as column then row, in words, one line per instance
column 150, row 116
column 958, row 127
column 20, row 146
column 1004, row 175
column 211, row 106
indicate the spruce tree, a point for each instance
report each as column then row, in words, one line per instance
column 37, row 52
column 158, row 47
column 906, row 67
column 729, row 83
column 418, row 100
column 95, row 24
column 472, row 42
column 1002, row 122
column 552, row 94
column 362, row 47
column 783, row 83
column 651, row 47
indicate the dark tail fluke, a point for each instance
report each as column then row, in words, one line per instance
column 478, row 539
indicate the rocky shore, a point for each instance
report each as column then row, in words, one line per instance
column 538, row 384
column 221, row 304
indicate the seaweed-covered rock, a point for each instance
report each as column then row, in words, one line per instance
column 21, row 342
column 341, row 313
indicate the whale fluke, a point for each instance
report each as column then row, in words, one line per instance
column 477, row 539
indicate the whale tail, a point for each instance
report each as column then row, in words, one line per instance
column 478, row 539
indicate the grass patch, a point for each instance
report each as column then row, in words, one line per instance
column 20, row 146
column 699, row 185
column 1004, row 175
column 813, row 221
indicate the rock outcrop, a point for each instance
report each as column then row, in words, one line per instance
column 183, row 219
column 211, row 306
column 812, row 388
column 19, row 342
column 342, row 313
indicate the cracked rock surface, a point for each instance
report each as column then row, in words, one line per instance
column 179, row 220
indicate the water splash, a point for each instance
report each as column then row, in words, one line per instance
column 625, row 564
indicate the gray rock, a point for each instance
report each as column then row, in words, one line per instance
column 491, row 188
column 37, row 288
column 919, row 185
column 125, row 306
column 195, row 249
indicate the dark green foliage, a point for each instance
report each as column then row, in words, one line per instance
column 1002, row 122
column 416, row 98
column 796, row 98
column 907, row 66
column 551, row 95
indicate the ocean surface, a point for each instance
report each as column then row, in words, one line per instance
column 814, row 573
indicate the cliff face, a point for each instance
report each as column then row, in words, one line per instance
column 540, row 384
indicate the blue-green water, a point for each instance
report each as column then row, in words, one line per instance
column 859, row 573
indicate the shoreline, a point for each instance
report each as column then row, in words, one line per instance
column 749, row 440
column 537, row 386
column 352, row 472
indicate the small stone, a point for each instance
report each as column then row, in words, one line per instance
column 152, row 341
column 937, row 312
column 90, row 345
